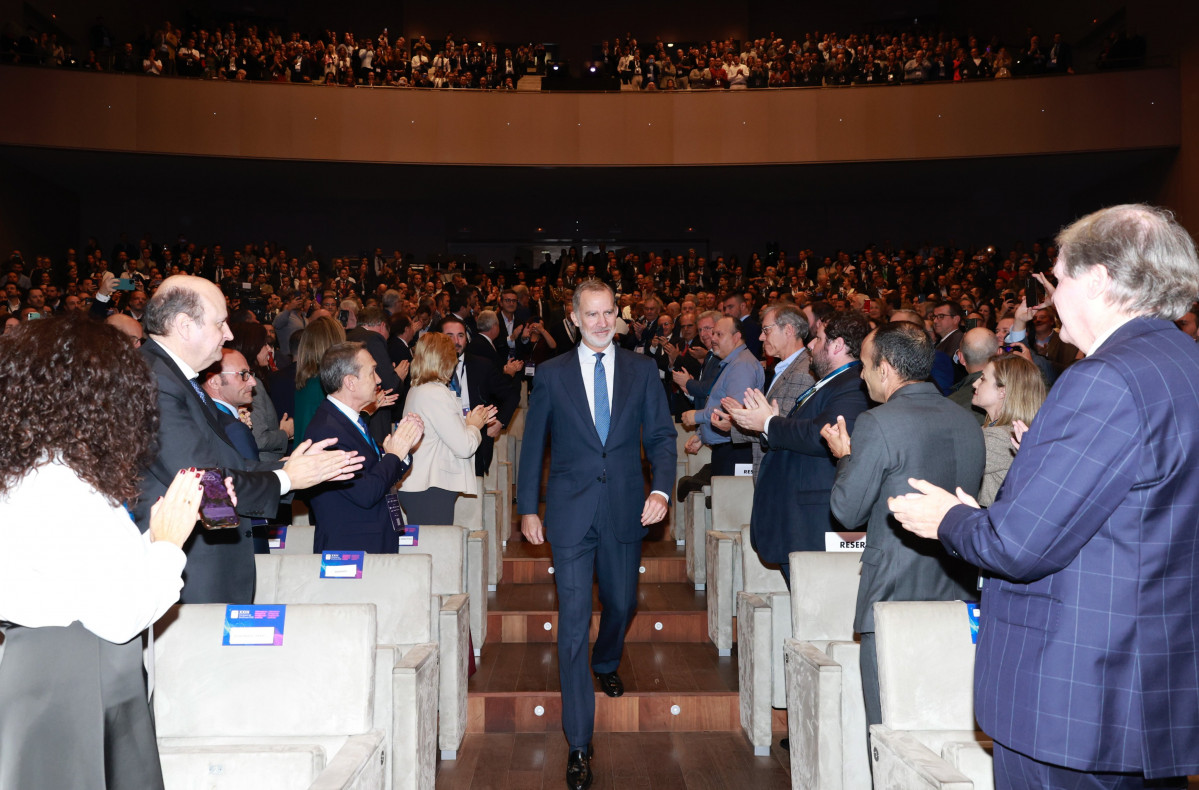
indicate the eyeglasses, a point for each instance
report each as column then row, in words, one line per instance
column 767, row 327
column 244, row 375
column 941, row 315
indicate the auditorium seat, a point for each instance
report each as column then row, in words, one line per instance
column 928, row 738
column 298, row 539
column 819, row 609
column 299, row 714
column 397, row 584
column 732, row 504
column 826, row 717
column 454, row 571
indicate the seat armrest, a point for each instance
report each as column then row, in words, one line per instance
column 903, row 763
column 358, row 765
column 453, row 635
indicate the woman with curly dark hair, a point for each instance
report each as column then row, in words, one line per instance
column 271, row 434
column 78, row 582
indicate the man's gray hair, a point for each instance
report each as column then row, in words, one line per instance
column 590, row 285
column 789, row 315
column 486, row 320
column 391, row 298
column 1150, row 259
column 339, row 360
column 166, row 304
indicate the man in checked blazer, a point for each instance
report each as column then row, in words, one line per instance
column 1088, row 646
column 784, row 331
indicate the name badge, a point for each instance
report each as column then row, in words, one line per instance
column 341, row 564
column 974, row 611
column 743, row 470
column 844, row 541
column 530, row 369
column 410, row 535
column 254, row 625
column 276, row 537
column 639, row 349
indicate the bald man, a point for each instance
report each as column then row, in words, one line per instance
column 186, row 322
column 128, row 326
column 978, row 346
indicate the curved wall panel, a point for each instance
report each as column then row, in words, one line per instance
column 1099, row 112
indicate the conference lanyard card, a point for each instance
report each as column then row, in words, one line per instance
column 743, row 470
column 530, row 369
column 341, row 564
column 254, row 625
column 844, row 541
column 410, row 535
column 276, row 537
column 975, row 611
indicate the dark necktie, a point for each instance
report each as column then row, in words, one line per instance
column 603, row 415
column 366, row 433
column 199, row 391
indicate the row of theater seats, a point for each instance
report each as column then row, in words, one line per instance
column 370, row 681
column 796, row 650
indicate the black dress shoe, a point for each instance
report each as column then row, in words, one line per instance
column 578, row 769
column 785, row 744
column 611, row 683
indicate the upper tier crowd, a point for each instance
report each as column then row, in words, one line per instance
column 240, row 51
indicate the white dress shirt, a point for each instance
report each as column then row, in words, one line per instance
column 67, row 554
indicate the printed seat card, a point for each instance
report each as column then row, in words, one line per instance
column 254, row 625
column 341, row 564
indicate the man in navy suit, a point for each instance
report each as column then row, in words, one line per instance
column 353, row 515
column 1087, row 670
column 230, row 385
column 600, row 404
column 791, row 509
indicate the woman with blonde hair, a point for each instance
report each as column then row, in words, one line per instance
column 443, row 463
column 1011, row 391
column 320, row 334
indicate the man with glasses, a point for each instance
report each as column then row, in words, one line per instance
column 947, row 323
column 230, row 384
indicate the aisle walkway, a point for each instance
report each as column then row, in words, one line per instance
column 676, row 727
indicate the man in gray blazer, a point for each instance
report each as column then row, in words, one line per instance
column 915, row 433
column 784, row 332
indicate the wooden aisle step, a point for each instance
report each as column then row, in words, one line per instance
column 663, row 561
column 623, row 761
column 668, row 687
column 666, row 612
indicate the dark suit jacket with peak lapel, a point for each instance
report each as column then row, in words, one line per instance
column 351, row 515
column 220, row 563
column 487, row 385
column 791, row 497
column 581, row 468
column 916, row 433
column 1088, row 648
column 380, row 422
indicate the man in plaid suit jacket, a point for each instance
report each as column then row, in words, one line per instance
column 1087, row 671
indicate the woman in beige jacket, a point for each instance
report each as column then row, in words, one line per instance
column 443, row 463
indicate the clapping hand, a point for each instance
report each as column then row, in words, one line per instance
column 921, row 513
column 837, row 436
column 751, row 416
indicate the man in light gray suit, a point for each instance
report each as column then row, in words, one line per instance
column 915, row 433
column 784, row 332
